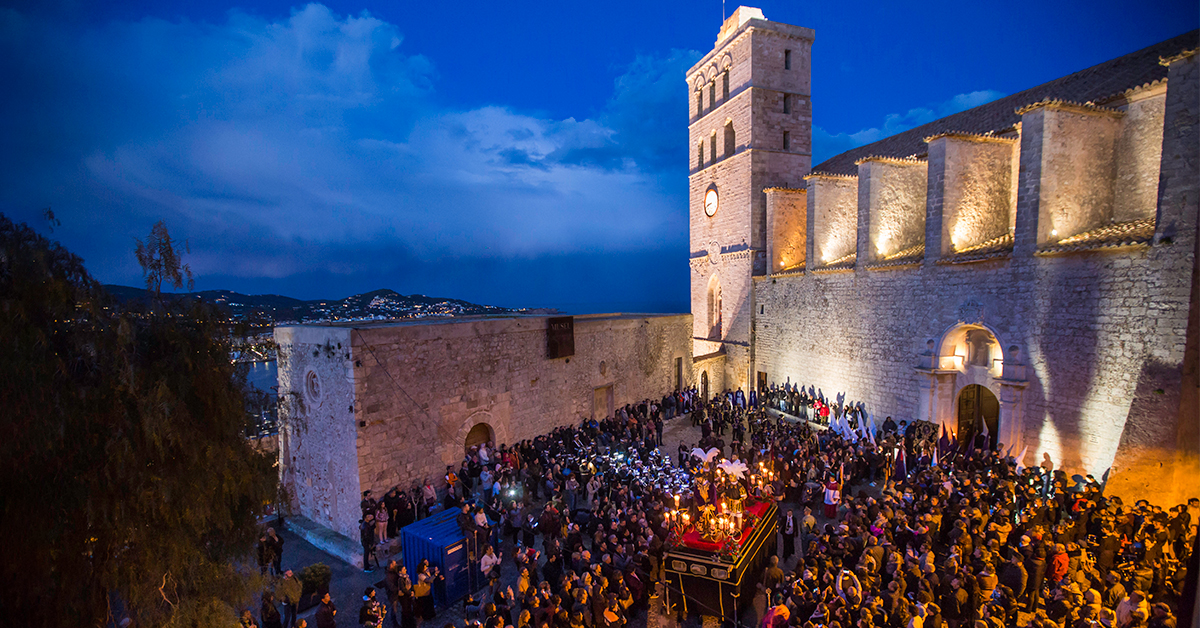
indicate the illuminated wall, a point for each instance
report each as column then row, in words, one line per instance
column 976, row 188
column 1078, row 166
column 1139, row 152
column 787, row 213
column 892, row 193
column 833, row 218
column 1092, row 340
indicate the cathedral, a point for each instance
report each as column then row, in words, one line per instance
column 1026, row 267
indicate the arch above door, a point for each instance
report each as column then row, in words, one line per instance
column 971, row 355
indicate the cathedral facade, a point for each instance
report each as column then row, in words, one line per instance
column 1028, row 265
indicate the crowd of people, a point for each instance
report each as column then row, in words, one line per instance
column 913, row 531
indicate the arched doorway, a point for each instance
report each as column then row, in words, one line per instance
column 977, row 407
column 704, row 385
column 481, row 433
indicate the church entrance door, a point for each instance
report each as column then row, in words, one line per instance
column 704, row 385
column 480, row 434
column 978, row 407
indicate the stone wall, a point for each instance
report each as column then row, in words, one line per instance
column 1139, row 151
column 786, row 217
column 892, row 193
column 833, row 218
column 1160, row 443
column 1094, row 369
column 1086, row 324
column 1078, row 167
column 977, row 189
column 394, row 402
column 421, row 388
column 318, row 459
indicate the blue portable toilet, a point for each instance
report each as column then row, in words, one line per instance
column 438, row 539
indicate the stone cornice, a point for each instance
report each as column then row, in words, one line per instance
column 1139, row 92
column 830, row 175
column 894, row 161
column 972, row 137
column 1073, row 107
column 782, row 190
column 1167, row 61
column 699, row 262
column 793, row 271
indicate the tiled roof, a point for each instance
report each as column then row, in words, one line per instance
column 795, row 269
column 1001, row 246
column 1123, row 234
column 904, row 257
column 917, row 251
column 1093, row 84
column 845, row 262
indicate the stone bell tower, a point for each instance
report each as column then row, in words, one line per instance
column 750, row 126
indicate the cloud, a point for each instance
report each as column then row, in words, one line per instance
column 826, row 144
column 314, row 145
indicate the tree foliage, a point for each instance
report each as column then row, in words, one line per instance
column 160, row 261
column 125, row 473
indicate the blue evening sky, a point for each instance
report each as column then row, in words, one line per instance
column 525, row 154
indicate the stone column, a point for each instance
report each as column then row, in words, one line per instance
column 1012, row 400
column 945, row 412
column 926, row 389
column 1012, row 414
column 926, row 383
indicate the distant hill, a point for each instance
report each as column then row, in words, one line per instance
column 377, row 304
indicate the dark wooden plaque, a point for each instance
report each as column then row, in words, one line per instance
column 560, row 337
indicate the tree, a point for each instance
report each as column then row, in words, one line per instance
column 160, row 261
column 125, row 475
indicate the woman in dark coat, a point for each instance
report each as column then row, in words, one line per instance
column 269, row 616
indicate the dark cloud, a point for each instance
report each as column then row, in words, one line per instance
column 311, row 151
column 309, row 155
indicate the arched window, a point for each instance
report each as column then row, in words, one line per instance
column 730, row 140
column 712, row 147
column 787, row 141
column 699, row 102
column 700, row 155
column 714, row 308
column 787, row 104
column 725, row 84
column 712, row 94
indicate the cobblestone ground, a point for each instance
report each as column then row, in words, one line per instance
column 349, row 582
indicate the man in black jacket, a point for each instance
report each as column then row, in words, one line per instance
column 326, row 612
column 366, row 534
column 788, row 527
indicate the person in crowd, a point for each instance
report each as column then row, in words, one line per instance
column 289, row 590
column 269, row 616
column 326, row 613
